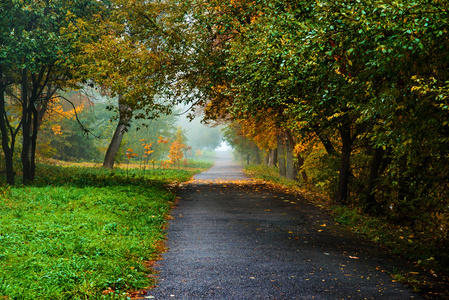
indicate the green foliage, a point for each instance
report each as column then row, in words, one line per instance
column 245, row 149
column 73, row 144
column 201, row 163
column 80, row 233
column 358, row 75
column 321, row 169
column 38, row 43
column 148, row 131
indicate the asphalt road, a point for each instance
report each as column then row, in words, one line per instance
column 233, row 239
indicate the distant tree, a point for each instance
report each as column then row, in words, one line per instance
column 150, row 131
column 127, row 61
column 201, row 136
column 176, row 152
column 60, row 136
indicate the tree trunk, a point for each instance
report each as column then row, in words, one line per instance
column 403, row 187
column 27, row 118
column 345, row 164
column 124, row 118
column 270, row 158
column 290, row 168
column 33, row 143
column 30, row 118
column 7, row 149
column 300, row 169
column 37, row 117
column 256, row 154
column 42, row 107
column 370, row 199
column 281, row 154
column 327, row 145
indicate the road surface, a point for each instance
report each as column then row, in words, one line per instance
column 232, row 238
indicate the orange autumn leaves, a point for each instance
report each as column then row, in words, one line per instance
column 147, row 149
column 55, row 113
column 175, row 152
column 162, row 140
column 130, row 153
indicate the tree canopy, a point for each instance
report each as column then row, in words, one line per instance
column 360, row 87
column 368, row 79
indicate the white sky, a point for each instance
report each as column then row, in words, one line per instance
column 223, row 147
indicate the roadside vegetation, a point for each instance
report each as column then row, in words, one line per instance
column 426, row 249
column 84, row 232
column 351, row 98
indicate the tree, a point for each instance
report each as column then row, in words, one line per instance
column 239, row 141
column 39, row 39
column 367, row 78
column 60, row 136
column 175, row 153
column 329, row 67
column 150, row 131
column 129, row 61
column 124, row 118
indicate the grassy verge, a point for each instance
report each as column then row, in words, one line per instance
column 83, row 233
column 422, row 248
column 271, row 176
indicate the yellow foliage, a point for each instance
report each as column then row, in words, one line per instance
column 147, row 148
column 56, row 129
column 175, row 153
column 56, row 112
column 300, row 147
column 161, row 140
column 262, row 133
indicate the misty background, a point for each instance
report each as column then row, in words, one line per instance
column 62, row 138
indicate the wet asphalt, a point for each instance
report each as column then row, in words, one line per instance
column 231, row 238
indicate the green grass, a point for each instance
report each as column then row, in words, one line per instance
column 270, row 174
column 83, row 233
column 201, row 163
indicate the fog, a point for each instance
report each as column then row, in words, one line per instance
column 201, row 136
